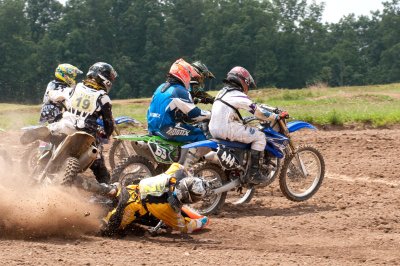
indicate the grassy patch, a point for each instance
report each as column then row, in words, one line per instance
column 377, row 105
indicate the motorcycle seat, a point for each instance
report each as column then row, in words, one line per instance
column 234, row 144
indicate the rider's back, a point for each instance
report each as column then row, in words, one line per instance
column 164, row 105
column 223, row 115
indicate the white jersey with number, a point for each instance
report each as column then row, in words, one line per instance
column 82, row 103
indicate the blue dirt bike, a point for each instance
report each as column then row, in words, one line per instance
column 301, row 170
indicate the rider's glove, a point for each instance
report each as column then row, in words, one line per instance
column 283, row 115
column 174, row 202
column 208, row 100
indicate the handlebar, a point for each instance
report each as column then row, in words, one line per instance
column 249, row 119
column 276, row 110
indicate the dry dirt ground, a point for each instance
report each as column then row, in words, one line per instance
column 354, row 219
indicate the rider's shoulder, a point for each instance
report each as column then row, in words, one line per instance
column 180, row 92
column 55, row 85
column 104, row 98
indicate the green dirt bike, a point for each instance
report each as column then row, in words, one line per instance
column 152, row 155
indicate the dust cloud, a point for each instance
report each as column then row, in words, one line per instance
column 28, row 210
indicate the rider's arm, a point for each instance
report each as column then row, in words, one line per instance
column 106, row 113
column 202, row 97
column 59, row 94
column 182, row 101
column 265, row 114
column 242, row 101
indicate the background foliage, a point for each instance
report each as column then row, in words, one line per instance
column 283, row 43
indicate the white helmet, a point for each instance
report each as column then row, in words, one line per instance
column 190, row 189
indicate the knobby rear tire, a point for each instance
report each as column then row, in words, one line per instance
column 71, row 170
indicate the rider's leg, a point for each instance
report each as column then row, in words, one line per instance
column 191, row 156
column 246, row 134
column 100, row 171
column 128, row 209
column 176, row 220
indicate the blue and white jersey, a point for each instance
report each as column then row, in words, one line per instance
column 166, row 104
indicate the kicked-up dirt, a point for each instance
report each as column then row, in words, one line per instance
column 354, row 219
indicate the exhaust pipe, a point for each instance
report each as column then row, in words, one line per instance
column 227, row 187
column 88, row 157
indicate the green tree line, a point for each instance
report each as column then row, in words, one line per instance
column 283, row 43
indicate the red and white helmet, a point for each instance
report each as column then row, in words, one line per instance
column 183, row 71
column 240, row 76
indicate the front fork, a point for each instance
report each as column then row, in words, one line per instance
column 293, row 147
column 117, row 132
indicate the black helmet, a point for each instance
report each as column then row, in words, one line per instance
column 204, row 73
column 202, row 69
column 190, row 190
column 103, row 73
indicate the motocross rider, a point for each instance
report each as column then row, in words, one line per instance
column 227, row 123
column 197, row 84
column 57, row 91
column 172, row 104
column 87, row 102
column 161, row 196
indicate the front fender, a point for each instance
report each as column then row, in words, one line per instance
column 204, row 143
column 125, row 120
column 296, row 125
column 133, row 137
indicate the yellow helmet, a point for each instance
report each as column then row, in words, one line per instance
column 67, row 73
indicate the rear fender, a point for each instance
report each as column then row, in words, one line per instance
column 125, row 120
column 204, row 143
column 144, row 138
column 74, row 145
column 297, row 125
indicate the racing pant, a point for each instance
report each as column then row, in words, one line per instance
column 64, row 126
column 236, row 131
column 130, row 208
column 100, row 171
column 181, row 133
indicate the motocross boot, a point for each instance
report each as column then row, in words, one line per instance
column 100, row 171
column 255, row 176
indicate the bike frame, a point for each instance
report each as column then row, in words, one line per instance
column 161, row 154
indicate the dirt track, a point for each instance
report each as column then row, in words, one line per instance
column 354, row 219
